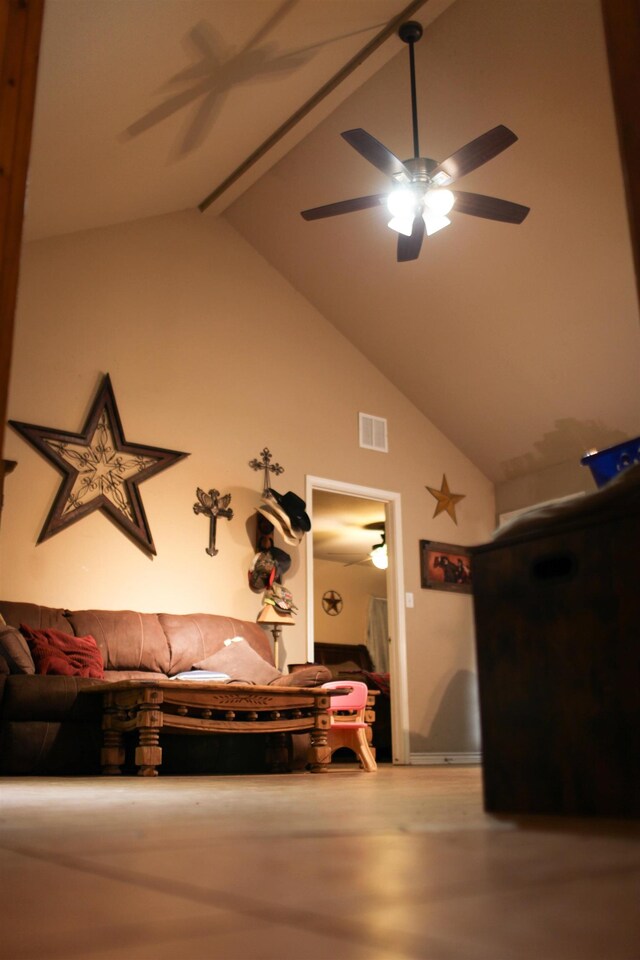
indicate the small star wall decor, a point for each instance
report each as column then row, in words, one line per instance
column 332, row 603
column 101, row 470
column 446, row 500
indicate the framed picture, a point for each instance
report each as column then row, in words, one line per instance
column 444, row 566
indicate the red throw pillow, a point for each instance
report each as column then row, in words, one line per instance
column 56, row 652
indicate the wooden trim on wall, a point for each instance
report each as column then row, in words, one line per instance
column 621, row 20
column 20, row 32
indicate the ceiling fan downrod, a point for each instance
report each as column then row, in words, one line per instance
column 410, row 32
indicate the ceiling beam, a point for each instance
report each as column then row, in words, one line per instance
column 306, row 108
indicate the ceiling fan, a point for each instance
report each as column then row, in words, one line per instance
column 419, row 200
column 378, row 554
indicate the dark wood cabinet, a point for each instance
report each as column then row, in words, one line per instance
column 557, row 610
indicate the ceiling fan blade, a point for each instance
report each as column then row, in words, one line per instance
column 409, row 247
column 491, row 208
column 376, row 153
column 473, row 155
column 343, row 206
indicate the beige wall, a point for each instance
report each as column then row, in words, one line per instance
column 355, row 584
column 212, row 352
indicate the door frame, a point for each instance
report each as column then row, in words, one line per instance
column 395, row 597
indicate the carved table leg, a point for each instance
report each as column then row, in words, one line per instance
column 319, row 752
column 148, row 752
column 112, row 754
column 278, row 753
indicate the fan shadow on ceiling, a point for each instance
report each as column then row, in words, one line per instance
column 216, row 69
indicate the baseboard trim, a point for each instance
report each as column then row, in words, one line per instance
column 444, row 759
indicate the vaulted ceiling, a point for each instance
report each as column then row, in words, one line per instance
column 521, row 343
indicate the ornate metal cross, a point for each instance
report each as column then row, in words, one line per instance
column 213, row 506
column 268, row 467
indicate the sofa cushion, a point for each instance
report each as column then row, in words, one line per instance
column 240, row 662
column 50, row 698
column 194, row 637
column 113, row 676
column 15, row 650
column 127, row 640
column 311, row 676
column 40, row 618
column 58, row 653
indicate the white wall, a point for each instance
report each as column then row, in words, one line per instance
column 212, row 352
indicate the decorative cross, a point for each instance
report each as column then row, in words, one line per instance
column 213, row 506
column 268, row 467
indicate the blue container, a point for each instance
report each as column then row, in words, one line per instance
column 607, row 464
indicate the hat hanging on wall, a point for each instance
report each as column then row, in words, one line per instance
column 294, row 507
column 287, row 513
column 272, row 512
column 268, row 566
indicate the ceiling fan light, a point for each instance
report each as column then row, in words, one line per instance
column 402, row 225
column 439, row 201
column 434, row 223
column 401, row 202
column 379, row 556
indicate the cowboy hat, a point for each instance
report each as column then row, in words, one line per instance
column 272, row 512
column 294, row 508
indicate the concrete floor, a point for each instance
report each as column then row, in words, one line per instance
column 402, row 864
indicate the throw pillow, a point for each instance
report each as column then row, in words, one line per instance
column 56, row 652
column 241, row 662
column 312, row 676
column 14, row 649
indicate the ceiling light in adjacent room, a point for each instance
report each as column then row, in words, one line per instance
column 379, row 556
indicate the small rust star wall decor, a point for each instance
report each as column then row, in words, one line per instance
column 332, row 603
column 101, row 470
column 446, row 500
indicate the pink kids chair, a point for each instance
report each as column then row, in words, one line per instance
column 348, row 727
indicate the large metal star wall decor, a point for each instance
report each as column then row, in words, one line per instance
column 101, row 470
column 446, row 500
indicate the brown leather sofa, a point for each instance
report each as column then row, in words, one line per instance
column 48, row 725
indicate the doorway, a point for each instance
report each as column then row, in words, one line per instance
column 344, row 544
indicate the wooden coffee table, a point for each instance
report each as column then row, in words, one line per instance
column 192, row 707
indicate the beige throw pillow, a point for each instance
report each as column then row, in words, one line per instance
column 241, row 662
column 14, row 649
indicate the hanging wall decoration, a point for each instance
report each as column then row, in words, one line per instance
column 265, row 464
column 212, row 505
column 332, row 603
column 446, row 500
column 101, row 470
column 444, row 566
